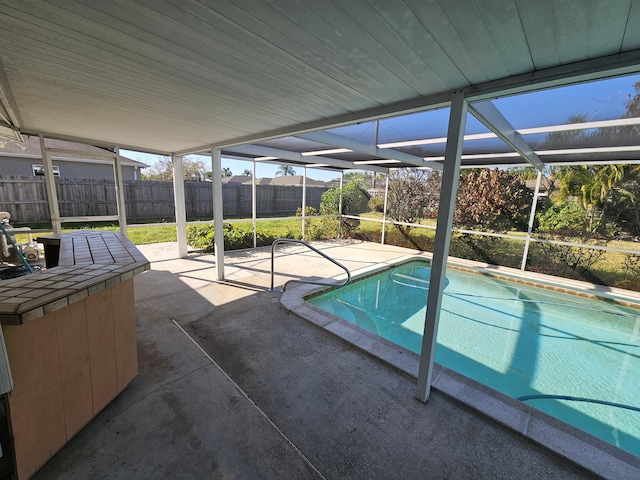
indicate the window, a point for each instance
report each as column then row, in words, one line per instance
column 38, row 170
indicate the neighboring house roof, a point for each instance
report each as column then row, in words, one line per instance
column 284, row 180
column 296, row 180
column 32, row 150
column 263, row 181
column 545, row 183
column 238, row 179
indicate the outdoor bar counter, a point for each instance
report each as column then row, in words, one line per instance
column 70, row 342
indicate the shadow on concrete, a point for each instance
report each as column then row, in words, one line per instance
column 283, row 399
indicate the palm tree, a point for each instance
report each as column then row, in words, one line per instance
column 247, row 173
column 226, row 172
column 285, row 170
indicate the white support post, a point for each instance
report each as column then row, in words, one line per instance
column 254, row 207
column 384, row 208
column 304, row 199
column 218, row 219
column 120, row 200
column 451, row 172
column 532, row 217
column 340, row 205
column 50, row 187
column 180, row 207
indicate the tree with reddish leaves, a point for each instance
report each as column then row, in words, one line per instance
column 413, row 194
column 492, row 200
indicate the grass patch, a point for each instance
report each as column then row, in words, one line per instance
column 609, row 269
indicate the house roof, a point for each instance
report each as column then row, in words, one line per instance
column 237, row 179
column 295, row 180
column 31, row 149
column 283, row 180
column 170, row 78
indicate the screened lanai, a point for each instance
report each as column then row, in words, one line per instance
column 551, row 131
column 343, row 86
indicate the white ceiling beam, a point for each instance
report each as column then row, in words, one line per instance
column 492, row 118
column 341, row 141
column 258, row 151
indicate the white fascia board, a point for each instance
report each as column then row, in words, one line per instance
column 125, row 160
column 96, row 143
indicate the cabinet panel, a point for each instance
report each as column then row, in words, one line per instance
column 35, row 404
column 75, row 372
column 102, row 352
column 124, row 321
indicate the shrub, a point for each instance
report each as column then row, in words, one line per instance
column 413, row 194
column 569, row 218
column 321, row 228
column 201, row 236
column 308, row 211
column 376, row 204
column 631, row 265
column 492, row 200
column 241, row 236
column 355, row 199
column 481, row 248
column 565, row 260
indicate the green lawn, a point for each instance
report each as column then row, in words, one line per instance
column 607, row 270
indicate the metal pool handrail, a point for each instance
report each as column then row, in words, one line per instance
column 291, row 240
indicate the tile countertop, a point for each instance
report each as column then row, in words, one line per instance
column 89, row 261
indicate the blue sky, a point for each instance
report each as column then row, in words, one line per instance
column 237, row 167
column 601, row 100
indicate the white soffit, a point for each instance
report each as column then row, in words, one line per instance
column 172, row 76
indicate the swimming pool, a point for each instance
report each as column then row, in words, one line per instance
column 531, row 343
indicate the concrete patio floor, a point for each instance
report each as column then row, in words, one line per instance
column 231, row 386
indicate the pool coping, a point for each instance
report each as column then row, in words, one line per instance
column 584, row 449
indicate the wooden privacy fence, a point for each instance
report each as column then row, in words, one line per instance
column 25, row 198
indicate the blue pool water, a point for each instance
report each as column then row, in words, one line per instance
column 521, row 340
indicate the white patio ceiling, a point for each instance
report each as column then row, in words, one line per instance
column 175, row 76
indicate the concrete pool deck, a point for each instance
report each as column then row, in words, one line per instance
column 232, row 386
